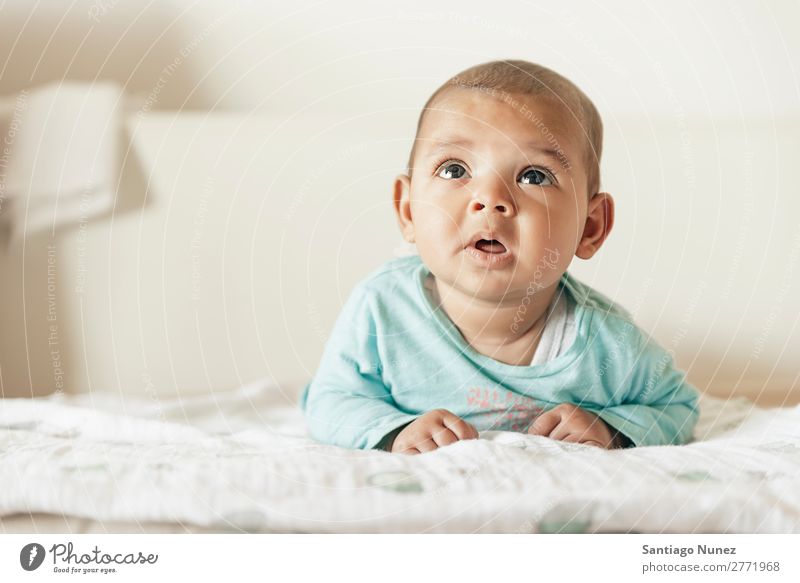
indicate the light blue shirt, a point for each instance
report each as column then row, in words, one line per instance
column 393, row 356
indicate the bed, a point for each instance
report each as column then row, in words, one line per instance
column 241, row 461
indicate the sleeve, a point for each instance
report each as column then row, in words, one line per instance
column 660, row 406
column 347, row 404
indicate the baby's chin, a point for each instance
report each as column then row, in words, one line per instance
column 499, row 287
column 490, row 289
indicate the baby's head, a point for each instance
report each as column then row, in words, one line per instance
column 503, row 181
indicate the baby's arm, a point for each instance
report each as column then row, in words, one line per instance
column 354, row 414
column 347, row 402
column 657, row 405
column 660, row 407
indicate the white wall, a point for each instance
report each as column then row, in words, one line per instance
column 715, row 58
column 256, row 185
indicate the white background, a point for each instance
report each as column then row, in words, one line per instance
column 255, row 189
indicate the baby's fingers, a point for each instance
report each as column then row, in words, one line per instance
column 545, row 423
column 592, row 442
column 444, row 437
column 579, row 438
column 460, row 428
column 426, row 445
column 566, row 429
column 582, row 437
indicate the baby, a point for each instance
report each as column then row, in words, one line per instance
column 485, row 329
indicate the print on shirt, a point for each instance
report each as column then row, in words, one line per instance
column 500, row 410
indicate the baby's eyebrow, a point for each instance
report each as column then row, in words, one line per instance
column 444, row 143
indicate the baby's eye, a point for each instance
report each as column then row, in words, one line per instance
column 537, row 177
column 452, row 170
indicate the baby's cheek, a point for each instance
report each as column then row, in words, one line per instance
column 435, row 232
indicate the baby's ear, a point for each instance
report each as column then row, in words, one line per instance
column 599, row 221
column 402, row 206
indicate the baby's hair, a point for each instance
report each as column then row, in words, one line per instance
column 526, row 78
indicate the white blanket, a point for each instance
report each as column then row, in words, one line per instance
column 242, row 460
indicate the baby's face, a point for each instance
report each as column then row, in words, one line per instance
column 489, row 170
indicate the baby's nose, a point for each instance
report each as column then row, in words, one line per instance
column 494, row 200
column 477, row 205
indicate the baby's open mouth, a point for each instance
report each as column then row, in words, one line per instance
column 490, row 246
column 489, row 252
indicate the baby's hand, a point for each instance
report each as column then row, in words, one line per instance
column 432, row 430
column 568, row 422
